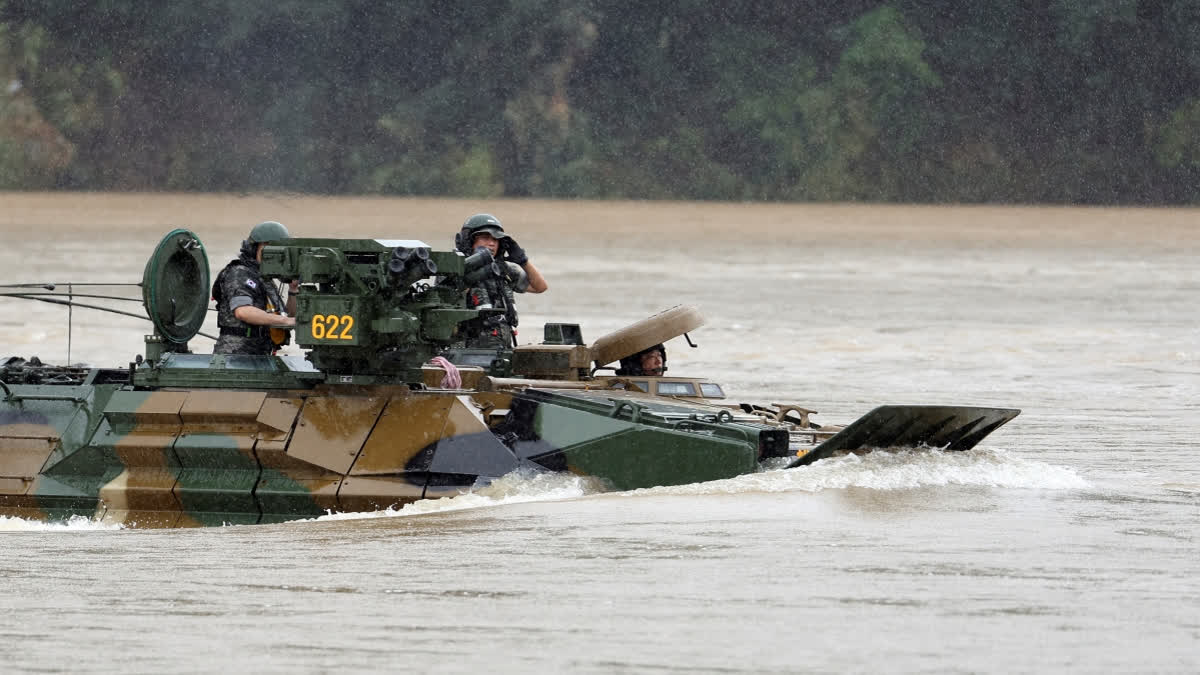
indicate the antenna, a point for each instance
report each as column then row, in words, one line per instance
column 70, row 316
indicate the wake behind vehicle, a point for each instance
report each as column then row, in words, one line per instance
column 365, row 420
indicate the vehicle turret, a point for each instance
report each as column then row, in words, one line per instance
column 367, row 310
column 376, row 307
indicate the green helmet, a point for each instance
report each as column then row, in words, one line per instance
column 480, row 222
column 268, row 231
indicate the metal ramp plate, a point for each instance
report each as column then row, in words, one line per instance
column 908, row 426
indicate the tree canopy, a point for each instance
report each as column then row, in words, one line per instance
column 1049, row 101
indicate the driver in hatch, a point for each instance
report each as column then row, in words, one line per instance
column 650, row 362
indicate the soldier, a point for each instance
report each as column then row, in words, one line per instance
column 247, row 306
column 650, row 362
column 484, row 230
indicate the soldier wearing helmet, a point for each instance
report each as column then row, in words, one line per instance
column 650, row 362
column 247, row 306
column 484, row 231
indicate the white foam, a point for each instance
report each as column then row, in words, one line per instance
column 73, row 524
column 518, row 487
column 900, row 470
column 905, row 469
column 1193, row 488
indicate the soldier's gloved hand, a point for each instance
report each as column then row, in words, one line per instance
column 516, row 277
column 515, row 252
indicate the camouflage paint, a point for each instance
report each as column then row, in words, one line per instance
column 194, row 457
column 69, row 480
column 218, row 467
column 288, row 488
column 630, row 454
column 210, row 457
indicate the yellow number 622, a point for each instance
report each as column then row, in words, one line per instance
column 332, row 327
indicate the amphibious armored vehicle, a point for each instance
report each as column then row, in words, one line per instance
column 365, row 420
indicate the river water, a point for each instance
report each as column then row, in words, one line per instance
column 1068, row 541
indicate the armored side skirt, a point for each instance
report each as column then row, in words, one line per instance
column 206, row 457
column 190, row 457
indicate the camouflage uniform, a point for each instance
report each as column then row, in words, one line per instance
column 495, row 331
column 239, row 285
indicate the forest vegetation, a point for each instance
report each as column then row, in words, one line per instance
column 997, row 101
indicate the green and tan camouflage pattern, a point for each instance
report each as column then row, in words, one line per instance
column 209, row 457
column 183, row 458
column 198, row 457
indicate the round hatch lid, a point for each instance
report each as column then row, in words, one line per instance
column 175, row 286
column 646, row 333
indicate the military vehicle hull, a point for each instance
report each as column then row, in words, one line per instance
column 212, row 456
column 168, row 457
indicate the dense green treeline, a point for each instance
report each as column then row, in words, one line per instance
column 1053, row 101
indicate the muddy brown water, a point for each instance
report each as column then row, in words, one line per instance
column 1066, row 542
